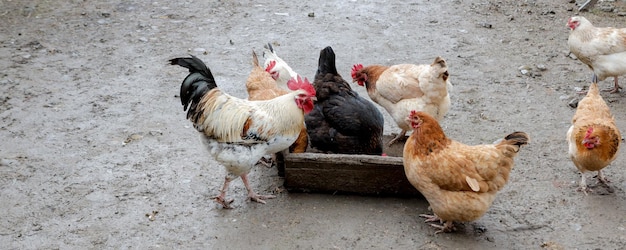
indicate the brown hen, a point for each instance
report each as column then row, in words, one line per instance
column 593, row 137
column 459, row 181
column 261, row 86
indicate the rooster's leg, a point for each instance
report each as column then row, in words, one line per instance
column 395, row 139
column 267, row 163
column 251, row 194
column 221, row 199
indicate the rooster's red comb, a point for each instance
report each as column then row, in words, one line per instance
column 356, row 68
column 298, row 83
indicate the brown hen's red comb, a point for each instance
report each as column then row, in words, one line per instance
column 589, row 131
column 413, row 112
column 298, row 83
column 356, row 68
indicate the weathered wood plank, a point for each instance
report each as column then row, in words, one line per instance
column 349, row 174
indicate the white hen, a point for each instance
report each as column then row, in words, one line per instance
column 277, row 67
column 603, row 49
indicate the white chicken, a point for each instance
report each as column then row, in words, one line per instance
column 603, row 49
column 277, row 67
column 405, row 87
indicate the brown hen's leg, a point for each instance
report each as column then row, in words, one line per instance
column 615, row 89
column 395, row 139
column 602, row 178
column 221, row 199
column 446, row 228
column 431, row 218
column 583, row 184
column 251, row 194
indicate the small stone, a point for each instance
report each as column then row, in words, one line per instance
column 606, row 8
column 199, row 50
column 143, row 39
column 573, row 103
column 563, row 97
column 312, row 14
column 571, row 55
column 542, row 67
column 155, row 133
column 524, row 72
column 6, row 162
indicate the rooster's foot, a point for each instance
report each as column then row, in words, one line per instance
column 260, row 198
column 225, row 203
column 268, row 163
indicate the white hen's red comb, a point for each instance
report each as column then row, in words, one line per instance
column 298, row 83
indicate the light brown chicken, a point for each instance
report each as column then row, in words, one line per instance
column 459, row 181
column 261, row 86
column 593, row 137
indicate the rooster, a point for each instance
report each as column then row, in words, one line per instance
column 593, row 137
column 277, row 67
column 239, row 132
column 405, row 87
column 459, row 181
column 261, row 86
column 342, row 122
column 602, row 49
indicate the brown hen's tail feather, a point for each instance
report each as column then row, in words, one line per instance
column 196, row 84
column 516, row 138
column 593, row 88
column 255, row 60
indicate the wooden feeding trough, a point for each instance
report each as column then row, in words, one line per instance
column 347, row 174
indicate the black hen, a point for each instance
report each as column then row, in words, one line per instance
column 342, row 122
